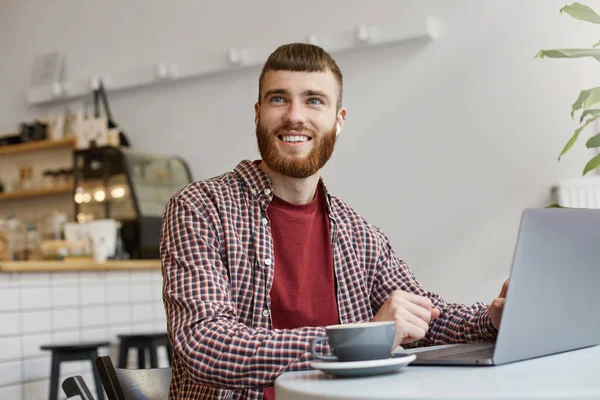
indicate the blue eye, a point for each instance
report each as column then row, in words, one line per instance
column 276, row 99
column 314, row 101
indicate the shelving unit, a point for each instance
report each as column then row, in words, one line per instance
column 22, row 194
column 36, row 204
column 37, row 145
column 409, row 27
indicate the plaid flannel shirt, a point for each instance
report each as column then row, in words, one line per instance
column 217, row 265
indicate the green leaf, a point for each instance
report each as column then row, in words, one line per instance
column 581, row 12
column 592, row 164
column 593, row 112
column 592, row 99
column 569, row 53
column 577, row 105
column 554, row 205
column 593, row 142
column 573, row 139
column 587, row 98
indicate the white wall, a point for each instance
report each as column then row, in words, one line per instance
column 449, row 141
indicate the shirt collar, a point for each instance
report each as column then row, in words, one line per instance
column 257, row 181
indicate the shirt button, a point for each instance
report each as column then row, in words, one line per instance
column 253, row 191
column 267, row 191
column 268, row 261
column 266, row 313
column 265, row 221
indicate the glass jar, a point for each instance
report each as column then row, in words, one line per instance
column 12, row 239
column 26, row 177
column 5, row 249
column 34, row 244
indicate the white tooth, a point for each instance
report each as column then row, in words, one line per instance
column 295, row 138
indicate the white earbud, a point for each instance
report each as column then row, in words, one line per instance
column 338, row 129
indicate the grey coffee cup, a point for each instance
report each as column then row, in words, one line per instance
column 357, row 342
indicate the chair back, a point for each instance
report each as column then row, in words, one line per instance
column 76, row 388
column 133, row 384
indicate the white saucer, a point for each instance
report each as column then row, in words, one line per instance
column 364, row 368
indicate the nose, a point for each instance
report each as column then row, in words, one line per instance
column 295, row 114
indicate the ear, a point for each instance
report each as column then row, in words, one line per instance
column 341, row 120
column 256, row 112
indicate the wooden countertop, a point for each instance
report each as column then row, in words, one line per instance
column 77, row 265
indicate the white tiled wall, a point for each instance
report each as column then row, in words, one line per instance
column 46, row 308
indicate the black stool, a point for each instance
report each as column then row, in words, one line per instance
column 143, row 342
column 73, row 352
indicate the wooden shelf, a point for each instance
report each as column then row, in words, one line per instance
column 78, row 265
column 36, row 145
column 20, row 194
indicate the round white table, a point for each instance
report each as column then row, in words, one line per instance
column 572, row 375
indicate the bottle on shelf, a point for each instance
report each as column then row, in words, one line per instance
column 34, row 244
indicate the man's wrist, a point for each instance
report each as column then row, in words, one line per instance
column 488, row 330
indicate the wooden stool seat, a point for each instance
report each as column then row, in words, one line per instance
column 74, row 347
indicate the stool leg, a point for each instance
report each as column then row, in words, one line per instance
column 54, row 376
column 141, row 357
column 123, row 350
column 97, row 381
column 153, row 355
column 169, row 353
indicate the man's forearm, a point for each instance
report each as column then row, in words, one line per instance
column 233, row 356
column 459, row 323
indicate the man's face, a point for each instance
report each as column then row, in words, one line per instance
column 297, row 121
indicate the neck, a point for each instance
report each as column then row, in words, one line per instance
column 292, row 190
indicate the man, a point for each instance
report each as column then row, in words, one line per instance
column 257, row 261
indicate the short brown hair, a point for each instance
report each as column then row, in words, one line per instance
column 302, row 57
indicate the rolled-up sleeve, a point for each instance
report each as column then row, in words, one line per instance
column 457, row 323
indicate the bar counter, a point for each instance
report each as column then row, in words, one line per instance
column 77, row 265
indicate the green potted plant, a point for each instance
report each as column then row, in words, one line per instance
column 588, row 102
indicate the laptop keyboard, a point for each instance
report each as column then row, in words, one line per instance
column 471, row 351
column 469, row 355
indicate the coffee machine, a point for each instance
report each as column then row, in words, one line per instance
column 131, row 187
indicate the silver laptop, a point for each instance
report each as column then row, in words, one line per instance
column 553, row 297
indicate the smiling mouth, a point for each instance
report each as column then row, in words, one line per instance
column 294, row 138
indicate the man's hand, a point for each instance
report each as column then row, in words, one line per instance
column 497, row 306
column 411, row 313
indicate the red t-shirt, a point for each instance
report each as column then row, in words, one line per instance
column 303, row 291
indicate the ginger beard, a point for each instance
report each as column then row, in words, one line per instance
column 291, row 165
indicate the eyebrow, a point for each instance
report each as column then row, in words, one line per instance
column 306, row 93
